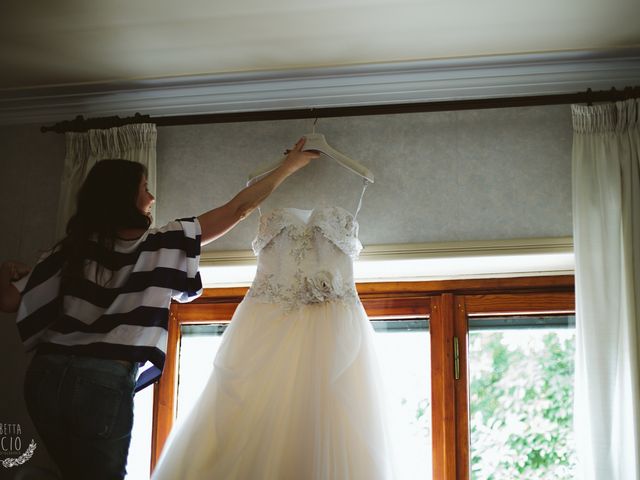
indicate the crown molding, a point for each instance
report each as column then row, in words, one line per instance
column 356, row 85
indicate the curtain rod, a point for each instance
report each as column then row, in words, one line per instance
column 81, row 124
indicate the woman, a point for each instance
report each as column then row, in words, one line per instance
column 96, row 306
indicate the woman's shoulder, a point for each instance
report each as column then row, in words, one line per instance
column 184, row 226
column 135, row 235
column 169, row 235
column 50, row 255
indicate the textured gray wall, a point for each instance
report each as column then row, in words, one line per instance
column 467, row 175
column 30, row 168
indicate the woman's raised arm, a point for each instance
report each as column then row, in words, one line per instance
column 219, row 221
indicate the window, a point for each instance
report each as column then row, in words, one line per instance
column 431, row 340
column 521, row 397
column 139, row 460
column 198, row 347
column 404, row 351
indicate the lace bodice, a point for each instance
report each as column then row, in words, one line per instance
column 305, row 256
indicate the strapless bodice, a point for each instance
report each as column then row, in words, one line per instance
column 305, row 256
column 335, row 223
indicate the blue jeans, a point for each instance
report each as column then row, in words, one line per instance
column 82, row 408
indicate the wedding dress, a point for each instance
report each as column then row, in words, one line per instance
column 295, row 393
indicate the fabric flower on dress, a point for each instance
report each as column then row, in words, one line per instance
column 323, row 286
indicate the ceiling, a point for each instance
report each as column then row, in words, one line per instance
column 165, row 58
column 45, row 43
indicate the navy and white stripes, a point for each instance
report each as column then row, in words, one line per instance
column 124, row 315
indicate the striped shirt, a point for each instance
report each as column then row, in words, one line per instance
column 125, row 314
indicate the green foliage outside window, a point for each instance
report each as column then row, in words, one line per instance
column 521, row 402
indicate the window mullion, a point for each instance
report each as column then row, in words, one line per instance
column 441, row 328
column 164, row 393
column 461, row 386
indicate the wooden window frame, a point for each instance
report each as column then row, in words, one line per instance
column 447, row 303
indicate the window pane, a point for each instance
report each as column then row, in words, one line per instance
column 139, row 459
column 198, row 347
column 521, row 389
column 405, row 356
column 404, row 353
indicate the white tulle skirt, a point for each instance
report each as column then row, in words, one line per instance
column 292, row 396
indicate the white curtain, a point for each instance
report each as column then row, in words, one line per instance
column 606, row 222
column 135, row 142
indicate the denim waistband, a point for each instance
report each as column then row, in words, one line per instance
column 83, row 361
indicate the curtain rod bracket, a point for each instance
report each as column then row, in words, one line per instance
column 81, row 124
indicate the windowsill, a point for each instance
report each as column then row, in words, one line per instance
column 420, row 262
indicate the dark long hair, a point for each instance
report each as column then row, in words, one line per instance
column 106, row 203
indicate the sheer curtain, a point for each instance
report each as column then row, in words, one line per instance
column 135, row 142
column 606, row 222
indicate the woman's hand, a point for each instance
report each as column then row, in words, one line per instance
column 296, row 158
column 14, row 270
column 9, row 296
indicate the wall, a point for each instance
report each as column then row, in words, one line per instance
column 30, row 168
column 469, row 175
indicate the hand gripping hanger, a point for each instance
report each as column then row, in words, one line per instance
column 316, row 141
